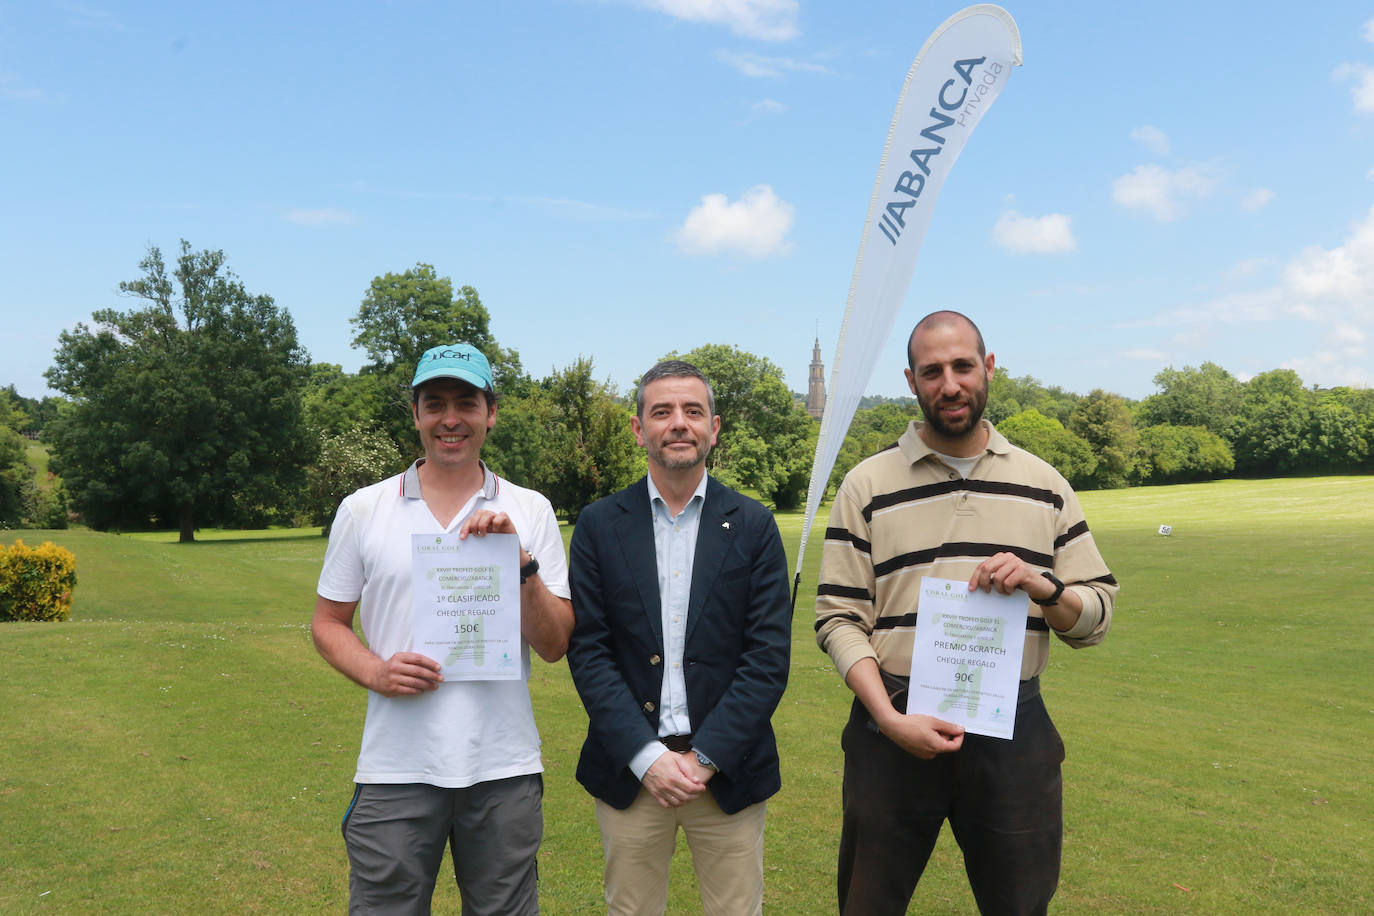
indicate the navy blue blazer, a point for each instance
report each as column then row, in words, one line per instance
column 736, row 655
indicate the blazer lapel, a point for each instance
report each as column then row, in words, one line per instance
column 635, row 532
column 715, row 536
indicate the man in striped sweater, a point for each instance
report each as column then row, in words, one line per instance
column 951, row 499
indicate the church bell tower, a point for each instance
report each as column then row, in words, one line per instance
column 815, row 391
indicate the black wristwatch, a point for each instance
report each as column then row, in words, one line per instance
column 532, row 567
column 1058, row 590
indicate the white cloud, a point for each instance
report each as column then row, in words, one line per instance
column 1349, row 338
column 1247, row 268
column 1257, row 199
column 86, row 16
column 768, row 20
column 327, row 216
column 1369, row 30
column 767, row 107
column 1049, row 234
column 755, row 225
column 1329, row 288
column 1152, row 138
column 1344, row 273
column 1160, row 192
column 1192, row 339
column 1326, row 368
column 10, row 90
column 1362, row 92
column 759, row 65
column 1145, row 355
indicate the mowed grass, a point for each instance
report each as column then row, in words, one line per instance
column 179, row 747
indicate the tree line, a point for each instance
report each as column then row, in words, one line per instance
column 1202, row 423
column 198, row 407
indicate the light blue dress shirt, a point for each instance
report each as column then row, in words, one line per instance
column 675, row 547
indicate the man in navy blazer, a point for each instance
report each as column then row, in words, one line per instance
column 680, row 654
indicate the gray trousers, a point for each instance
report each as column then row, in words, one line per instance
column 396, row 836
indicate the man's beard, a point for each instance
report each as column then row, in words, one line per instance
column 977, row 402
column 672, row 461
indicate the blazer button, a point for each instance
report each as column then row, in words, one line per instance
column 654, row 659
column 649, row 707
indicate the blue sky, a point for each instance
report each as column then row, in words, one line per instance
column 1161, row 185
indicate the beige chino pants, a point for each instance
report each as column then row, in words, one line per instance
column 727, row 853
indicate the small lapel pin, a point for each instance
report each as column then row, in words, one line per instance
column 725, row 525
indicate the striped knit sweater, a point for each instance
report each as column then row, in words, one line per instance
column 903, row 514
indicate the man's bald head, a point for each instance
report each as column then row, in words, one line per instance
column 942, row 319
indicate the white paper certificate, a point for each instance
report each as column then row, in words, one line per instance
column 467, row 604
column 966, row 663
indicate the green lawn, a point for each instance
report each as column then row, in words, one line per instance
column 37, row 455
column 179, row 747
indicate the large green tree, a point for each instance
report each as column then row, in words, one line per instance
column 597, row 447
column 185, row 411
column 766, row 438
column 1104, row 422
column 333, row 400
column 1047, row 438
column 23, row 502
column 1273, row 426
column 1206, row 396
column 16, row 478
column 27, row 415
column 1178, row 454
column 1008, row 395
column 1336, row 439
column 568, row 437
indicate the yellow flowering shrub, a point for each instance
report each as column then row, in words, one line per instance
column 36, row 582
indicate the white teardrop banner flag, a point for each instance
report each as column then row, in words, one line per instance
column 953, row 81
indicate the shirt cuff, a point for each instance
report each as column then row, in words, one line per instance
column 847, row 648
column 640, row 763
column 1089, row 617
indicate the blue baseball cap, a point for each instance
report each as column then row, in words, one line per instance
column 461, row 361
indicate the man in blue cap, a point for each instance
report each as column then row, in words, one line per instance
column 442, row 764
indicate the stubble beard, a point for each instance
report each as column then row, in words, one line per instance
column 672, row 462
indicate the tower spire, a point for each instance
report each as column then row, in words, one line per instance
column 815, row 389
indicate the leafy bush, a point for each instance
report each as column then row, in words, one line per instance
column 348, row 460
column 1047, row 438
column 52, row 508
column 1178, row 454
column 36, row 582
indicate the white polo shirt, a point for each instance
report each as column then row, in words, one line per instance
column 465, row 732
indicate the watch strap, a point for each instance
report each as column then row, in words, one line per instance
column 705, row 761
column 1058, row 591
column 529, row 569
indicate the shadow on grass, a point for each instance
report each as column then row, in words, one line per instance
column 211, row 538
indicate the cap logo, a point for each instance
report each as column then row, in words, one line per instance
column 446, row 354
